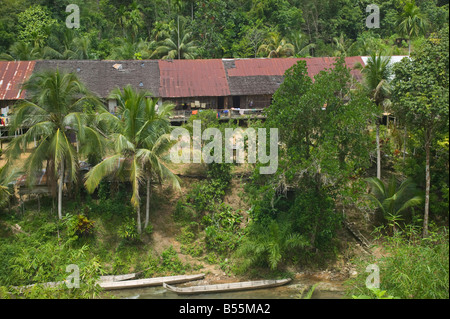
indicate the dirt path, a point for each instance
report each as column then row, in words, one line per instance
column 165, row 230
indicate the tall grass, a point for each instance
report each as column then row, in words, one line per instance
column 411, row 267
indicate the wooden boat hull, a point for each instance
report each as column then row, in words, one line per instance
column 117, row 277
column 149, row 282
column 103, row 279
column 240, row 286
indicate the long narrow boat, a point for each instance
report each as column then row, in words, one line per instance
column 112, row 278
column 237, row 286
column 149, row 282
column 117, row 277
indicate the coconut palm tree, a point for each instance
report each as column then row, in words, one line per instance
column 276, row 47
column 22, row 51
column 343, row 46
column 377, row 74
column 411, row 22
column 53, row 113
column 127, row 50
column 393, row 199
column 140, row 139
column 302, row 47
column 178, row 43
column 79, row 48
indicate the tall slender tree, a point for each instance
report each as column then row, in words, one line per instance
column 421, row 95
column 377, row 74
column 178, row 43
column 411, row 22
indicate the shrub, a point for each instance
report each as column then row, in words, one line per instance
column 83, row 226
column 128, row 231
column 269, row 245
column 223, row 233
column 171, row 263
column 220, row 172
column 77, row 226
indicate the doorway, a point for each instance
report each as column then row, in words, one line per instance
column 237, row 101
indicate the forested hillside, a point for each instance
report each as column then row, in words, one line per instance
column 150, row 29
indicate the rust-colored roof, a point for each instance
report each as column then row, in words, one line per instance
column 278, row 66
column 191, row 78
column 264, row 76
column 12, row 75
column 172, row 79
column 261, row 67
column 316, row 65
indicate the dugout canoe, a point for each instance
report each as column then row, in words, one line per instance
column 108, row 279
column 117, row 277
column 149, row 282
column 237, row 286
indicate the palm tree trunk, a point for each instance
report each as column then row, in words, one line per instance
column 404, row 145
column 60, row 189
column 378, row 151
column 427, row 184
column 147, row 206
column 178, row 47
column 138, row 217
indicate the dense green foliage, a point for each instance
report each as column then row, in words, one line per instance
column 138, row 29
column 41, row 254
column 294, row 218
column 421, row 97
column 299, row 230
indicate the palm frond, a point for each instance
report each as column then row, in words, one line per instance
column 413, row 202
column 101, row 170
column 377, row 187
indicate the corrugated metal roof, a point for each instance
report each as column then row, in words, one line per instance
column 261, row 67
column 102, row 77
column 278, row 66
column 189, row 78
column 264, row 76
column 171, row 79
column 12, row 75
column 316, row 65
